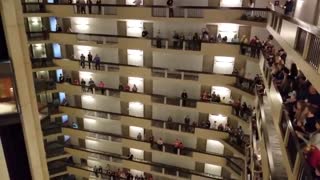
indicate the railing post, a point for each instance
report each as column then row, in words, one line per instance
column 109, row 116
column 166, row 73
column 178, row 151
column 177, row 173
column 165, row 100
column 182, row 75
column 167, row 44
column 180, row 102
column 162, row 169
column 167, row 12
column 164, row 125
column 107, row 93
column 179, row 127
column 110, row 158
column 106, row 67
column 184, row 45
column 163, row 148
column 109, row 138
column 185, row 13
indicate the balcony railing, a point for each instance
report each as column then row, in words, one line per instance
column 298, row 164
column 36, row 36
column 41, row 62
column 155, row 166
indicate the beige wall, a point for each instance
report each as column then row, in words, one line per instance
column 174, row 88
column 178, row 114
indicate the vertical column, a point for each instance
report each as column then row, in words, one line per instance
column 17, row 41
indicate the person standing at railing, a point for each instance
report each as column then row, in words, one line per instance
column 83, row 7
column 92, row 85
column 175, row 39
column 89, row 59
column 170, row 5
column 97, row 62
column 89, row 2
column 134, row 88
column 101, row 86
column 184, row 97
column 78, row 6
column 82, row 61
column 83, row 85
column 288, row 7
column 181, row 40
column 98, row 3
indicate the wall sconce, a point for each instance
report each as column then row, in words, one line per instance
column 88, row 98
column 85, row 75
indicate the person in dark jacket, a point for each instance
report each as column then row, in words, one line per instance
column 288, row 7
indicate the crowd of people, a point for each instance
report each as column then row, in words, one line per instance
column 301, row 102
column 118, row 174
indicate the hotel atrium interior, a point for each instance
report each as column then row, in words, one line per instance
column 159, row 89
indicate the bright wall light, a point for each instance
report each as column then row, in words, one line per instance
column 83, row 50
column 88, row 98
column 137, row 153
column 136, row 109
column 223, row 64
column 39, row 46
column 136, row 172
column 228, row 29
column 85, row 75
column 134, row 28
column 81, row 24
column 131, row 2
column 230, row 3
column 135, row 57
column 91, row 142
column 90, row 121
column 214, row 146
column 212, row 169
column 81, row 20
column 136, row 81
column 134, row 131
column 222, row 91
column 35, row 21
column 220, row 119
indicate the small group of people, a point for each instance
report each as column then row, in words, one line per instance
column 91, row 85
column 81, row 6
column 251, row 48
column 118, row 174
column 128, row 88
column 213, row 97
column 242, row 110
column 90, row 59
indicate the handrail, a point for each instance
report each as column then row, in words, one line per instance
column 127, row 115
column 310, row 28
column 291, row 131
column 156, row 95
column 152, row 6
column 160, row 68
column 188, row 171
column 228, row 157
column 163, row 96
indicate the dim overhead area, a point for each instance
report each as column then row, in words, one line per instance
column 159, row 89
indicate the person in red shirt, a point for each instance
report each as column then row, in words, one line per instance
column 127, row 88
column 312, row 154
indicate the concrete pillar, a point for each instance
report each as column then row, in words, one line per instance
column 14, row 28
